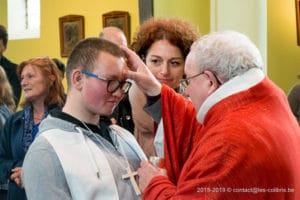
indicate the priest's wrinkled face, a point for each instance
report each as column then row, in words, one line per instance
column 198, row 84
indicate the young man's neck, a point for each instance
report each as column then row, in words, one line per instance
column 80, row 113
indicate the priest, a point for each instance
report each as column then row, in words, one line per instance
column 234, row 138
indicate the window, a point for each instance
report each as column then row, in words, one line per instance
column 23, row 19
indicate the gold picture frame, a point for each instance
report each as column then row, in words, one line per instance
column 118, row 19
column 297, row 5
column 71, row 31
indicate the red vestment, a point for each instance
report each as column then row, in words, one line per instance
column 247, row 148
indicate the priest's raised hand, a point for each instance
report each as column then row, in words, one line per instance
column 140, row 73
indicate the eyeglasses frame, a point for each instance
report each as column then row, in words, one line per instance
column 186, row 81
column 108, row 81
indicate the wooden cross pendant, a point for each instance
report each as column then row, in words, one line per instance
column 131, row 174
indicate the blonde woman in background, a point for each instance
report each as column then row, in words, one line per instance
column 7, row 107
column 7, row 103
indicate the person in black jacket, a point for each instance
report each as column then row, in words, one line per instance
column 9, row 67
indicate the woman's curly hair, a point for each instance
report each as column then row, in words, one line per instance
column 178, row 32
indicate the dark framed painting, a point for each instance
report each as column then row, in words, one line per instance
column 71, row 31
column 297, row 5
column 118, row 19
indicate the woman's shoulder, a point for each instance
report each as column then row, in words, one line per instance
column 4, row 110
column 16, row 116
column 4, row 114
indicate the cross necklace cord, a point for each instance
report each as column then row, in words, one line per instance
column 130, row 174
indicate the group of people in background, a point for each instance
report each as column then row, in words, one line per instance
column 41, row 81
column 192, row 116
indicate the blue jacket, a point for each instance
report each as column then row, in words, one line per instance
column 12, row 153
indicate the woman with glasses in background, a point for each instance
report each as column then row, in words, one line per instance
column 43, row 91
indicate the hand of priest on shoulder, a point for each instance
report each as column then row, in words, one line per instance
column 140, row 73
column 147, row 172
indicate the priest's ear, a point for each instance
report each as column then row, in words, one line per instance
column 214, row 82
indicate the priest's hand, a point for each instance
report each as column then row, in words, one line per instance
column 140, row 73
column 146, row 172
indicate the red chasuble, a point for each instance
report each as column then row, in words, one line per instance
column 247, row 148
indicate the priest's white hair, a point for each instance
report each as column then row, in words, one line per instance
column 227, row 54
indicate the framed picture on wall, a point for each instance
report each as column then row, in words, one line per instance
column 297, row 5
column 71, row 31
column 119, row 19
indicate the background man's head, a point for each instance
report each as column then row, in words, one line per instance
column 3, row 39
column 114, row 34
column 61, row 66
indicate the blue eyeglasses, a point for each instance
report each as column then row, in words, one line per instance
column 112, row 85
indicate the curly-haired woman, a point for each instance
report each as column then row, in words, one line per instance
column 163, row 44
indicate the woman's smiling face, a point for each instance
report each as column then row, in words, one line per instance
column 166, row 62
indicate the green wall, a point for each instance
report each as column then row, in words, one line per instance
column 282, row 50
column 48, row 43
column 195, row 11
